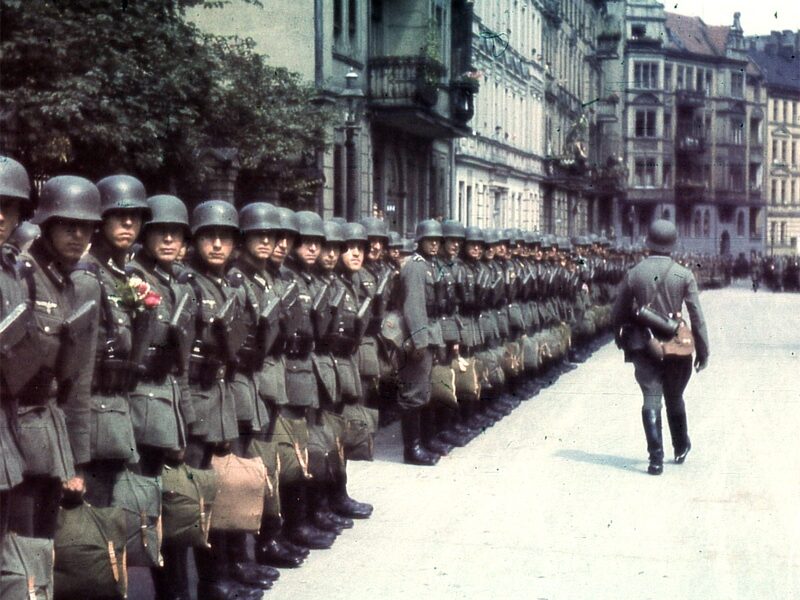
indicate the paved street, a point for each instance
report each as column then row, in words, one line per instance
column 554, row 502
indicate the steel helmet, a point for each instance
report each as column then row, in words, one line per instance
column 214, row 213
column 375, row 227
column 661, row 236
column 122, row 192
column 309, row 224
column 334, row 233
column 14, row 180
column 68, row 197
column 287, row 219
column 354, row 232
column 429, row 228
column 258, row 216
column 167, row 210
column 474, row 234
column 395, row 241
column 453, row 229
column 492, row 236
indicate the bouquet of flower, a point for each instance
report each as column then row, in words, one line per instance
column 136, row 294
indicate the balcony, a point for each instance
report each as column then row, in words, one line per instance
column 690, row 98
column 729, row 195
column 690, row 190
column 408, row 93
column 690, row 144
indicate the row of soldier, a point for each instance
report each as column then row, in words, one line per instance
column 778, row 273
column 278, row 338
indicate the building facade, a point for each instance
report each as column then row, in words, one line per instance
column 684, row 108
column 398, row 74
column 777, row 58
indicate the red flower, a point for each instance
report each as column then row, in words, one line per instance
column 152, row 299
column 142, row 289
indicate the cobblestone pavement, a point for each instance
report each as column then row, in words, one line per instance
column 554, row 501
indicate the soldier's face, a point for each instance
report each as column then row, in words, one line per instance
column 429, row 246
column 284, row 242
column 499, row 250
column 329, row 256
column 452, row 246
column 394, row 254
column 122, row 227
column 488, row 254
column 375, row 248
column 9, row 218
column 259, row 244
column 353, row 256
column 164, row 242
column 215, row 245
column 474, row 250
column 70, row 238
column 308, row 250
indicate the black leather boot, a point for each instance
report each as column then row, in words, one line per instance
column 270, row 550
column 680, row 436
column 171, row 582
column 447, row 428
column 342, row 504
column 429, row 431
column 214, row 580
column 298, row 527
column 319, row 512
column 413, row 452
column 244, row 570
column 651, row 419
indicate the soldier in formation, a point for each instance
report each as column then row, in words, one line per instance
column 278, row 342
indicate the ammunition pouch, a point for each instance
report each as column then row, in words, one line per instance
column 74, row 333
column 112, row 376
column 298, row 346
column 157, row 363
column 250, row 358
column 339, row 345
column 20, row 353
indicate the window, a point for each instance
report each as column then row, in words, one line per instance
column 699, row 82
column 645, row 123
column 681, row 77
column 774, row 192
column 755, row 132
column 784, row 155
column 774, row 150
column 707, row 223
column 774, row 110
column 638, row 31
column 697, row 223
column 667, row 125
column 337, row 20
column 666, row 175
column 737, row 84
column 740, row 224
column 645, row 172
column 737, row 131
column 793, row 195
column 708, row 82
column 736, row 178
column 783, row 232
column 352, row 19
column 668, row 77
column 794, row 153
column 645, row 75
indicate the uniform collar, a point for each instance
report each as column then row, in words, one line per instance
column 44, row 255
column 101, row 251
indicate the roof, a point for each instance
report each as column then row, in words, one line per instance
column 778, row 71
column 691, row 34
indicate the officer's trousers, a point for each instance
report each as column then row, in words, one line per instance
column 667, row 378
column 414, row 378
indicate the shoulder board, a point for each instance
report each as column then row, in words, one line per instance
column 418, row 258
column 87, row 266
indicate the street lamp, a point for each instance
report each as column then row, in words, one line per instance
column 353, row 97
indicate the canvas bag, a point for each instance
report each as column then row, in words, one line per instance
column 268, row 453
column 187, row 499
column 682, row 343
column 468, row 385
column 443, row 386
column 290, row 437
column 360, row 423
column 90, row 558
column 241, row 486
column 27, row 568
column 140, row 498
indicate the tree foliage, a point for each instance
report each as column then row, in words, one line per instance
column 102, row 86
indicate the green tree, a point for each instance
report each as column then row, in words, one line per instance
column 101, row 86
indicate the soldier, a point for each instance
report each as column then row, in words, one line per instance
column 15, row 190
column 665, row 286
column 161, row 405
column 219, row 335
column 420, row 313
column 123, row 208
column 301, row 381
column 53, row 406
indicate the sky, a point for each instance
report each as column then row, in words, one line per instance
column 758, row 16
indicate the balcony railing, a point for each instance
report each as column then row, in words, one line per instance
column 402, row 80
column 690, row 98
column 691, row 144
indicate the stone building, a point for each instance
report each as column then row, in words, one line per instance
column 528, row 161
column 408, row 94
column 683, row 106
column 778, row 57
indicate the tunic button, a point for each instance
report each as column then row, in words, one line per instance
column 150, row 394
column 102, row 406
column 47, row 329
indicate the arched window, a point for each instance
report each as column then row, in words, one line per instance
column 740, row 224
column 707, row 223
column 697, row 227
column 665, row 214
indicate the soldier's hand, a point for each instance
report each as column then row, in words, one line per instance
column 700, row 363
column 73, row 491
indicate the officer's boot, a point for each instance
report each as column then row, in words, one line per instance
column 651, row 419
column 294, row 500
column 428, row 429
column 448, row 433
column 460, row 421
column 680, row 437
column 214, row 581
column 171, row 581
column 413, row 451
column 342, row 504
column 270, row 550
column 242, row 569
column 319, row 512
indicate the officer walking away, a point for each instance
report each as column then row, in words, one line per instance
column 664, row 286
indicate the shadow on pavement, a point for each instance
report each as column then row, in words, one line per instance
column 605, row 460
